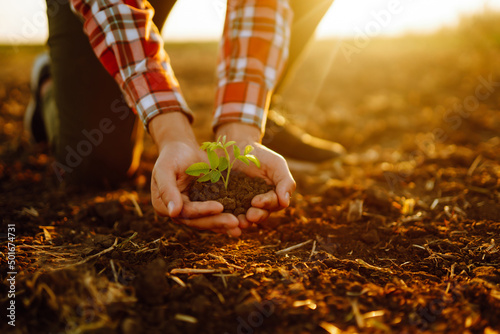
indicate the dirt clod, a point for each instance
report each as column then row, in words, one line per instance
column 238, row 196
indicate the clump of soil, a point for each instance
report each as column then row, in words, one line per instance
column 237, row 198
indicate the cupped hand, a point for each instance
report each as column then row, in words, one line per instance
column 178, row 149
column 274, row 170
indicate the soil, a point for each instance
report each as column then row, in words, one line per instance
column 237, row 198
column 401, row 236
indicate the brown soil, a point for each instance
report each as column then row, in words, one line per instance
column 402, row 236
column 238, row 196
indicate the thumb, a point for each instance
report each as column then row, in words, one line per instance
column 168, row 193
column 285, row 184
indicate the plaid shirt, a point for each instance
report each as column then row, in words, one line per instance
column 253, row 53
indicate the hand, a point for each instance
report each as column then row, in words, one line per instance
column 178, row 149
column 274, row 170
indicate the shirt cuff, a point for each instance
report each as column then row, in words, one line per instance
column 150, row 95
column 245, row 102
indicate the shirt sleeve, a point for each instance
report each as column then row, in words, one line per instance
column 128, row 44
column 253, row 53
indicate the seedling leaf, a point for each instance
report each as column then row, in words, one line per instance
column 253, row 159
column 217, row 165
column 204, row 146
column 213, row 158
column 205, row 177
column 244, row 159
column 215, row 176
column 236, row 151
column 248, row 149
column 223, row 164
column 198, row 168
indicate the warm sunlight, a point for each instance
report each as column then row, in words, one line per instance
column 24, row 21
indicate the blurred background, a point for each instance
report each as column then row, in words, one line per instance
column 366, row 82
column 24, row 21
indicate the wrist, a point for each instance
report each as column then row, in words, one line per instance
column 239, row 132
column 169, row 127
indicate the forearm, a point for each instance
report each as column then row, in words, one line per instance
column 253, row 54
column 129, row 46
column 240, row 132
column 171, row 127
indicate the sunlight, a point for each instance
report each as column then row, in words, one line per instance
column 24, row 21
column 345, row 17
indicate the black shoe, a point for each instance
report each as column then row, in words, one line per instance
column 33, row 120
column 292, row 142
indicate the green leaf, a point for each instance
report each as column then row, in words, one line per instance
column 215, row 176
column 243, row 159
column 198, row 168
column 205, row 177
column 204, row 146
column 223, row 164
column 223, row 139
column 248, row 149
column 213, row 158
column 229, row 143
column 236, row 151
column 253, row 159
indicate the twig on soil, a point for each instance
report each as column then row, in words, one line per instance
column 270, row 246
column 46, row 234
column 107, row 250
column 223, row 277
column 452, row 273
column 313, row 250
column 186, row 318
column 178, row 281
column 218, row 294
column 31, row 211
column 357, row 315
column 474, row 165
column 112, row 263
column 291, row 248
column 136, row 205
column 220, row 258
column 127, row 240
column 194, row 271
column 331, row 329
column 308, row 302
column 369, row 266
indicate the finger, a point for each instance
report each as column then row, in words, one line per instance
column 285, row 184
column 234, row 232
column 225, row 221
column 192, row 210
column 256, row 215
column 158, row 204
column 267, row 201
column 243, row 221
column 167, row 192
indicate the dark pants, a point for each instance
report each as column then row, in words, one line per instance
column 95, row 137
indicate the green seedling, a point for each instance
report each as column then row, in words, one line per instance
column 213, row 170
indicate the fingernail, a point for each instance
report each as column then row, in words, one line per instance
column 287, row 197
column 170, row 207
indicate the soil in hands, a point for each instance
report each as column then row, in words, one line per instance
column 237, row 198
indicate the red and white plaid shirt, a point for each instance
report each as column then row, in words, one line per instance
column 253, row 53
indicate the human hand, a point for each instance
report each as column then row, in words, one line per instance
column 274, row 170
column 178, row 149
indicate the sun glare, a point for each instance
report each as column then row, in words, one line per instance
column 24, row 21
